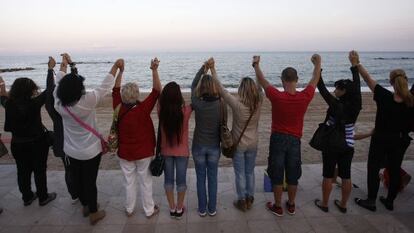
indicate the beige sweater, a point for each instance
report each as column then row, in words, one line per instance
column 241, row 114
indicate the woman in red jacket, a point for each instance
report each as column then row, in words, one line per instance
column 136, row 138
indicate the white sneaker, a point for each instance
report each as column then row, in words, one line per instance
column 74, row 201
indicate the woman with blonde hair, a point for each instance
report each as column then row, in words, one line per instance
column 388, row 141
column 136, row 139
column 246, row 114
column 206, row 140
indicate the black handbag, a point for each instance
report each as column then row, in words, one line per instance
column 328, row 137
column 157, row 164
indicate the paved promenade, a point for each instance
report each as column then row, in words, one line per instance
column 63, row 217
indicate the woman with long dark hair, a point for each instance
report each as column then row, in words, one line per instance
column 343, row 111
column 246, row 114
column 174, row 118
column 29, row 144
column 81, row 142
column 389, row 141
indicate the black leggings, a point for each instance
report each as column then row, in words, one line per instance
column 31, row 157
column 385, row 151
column 84, row 174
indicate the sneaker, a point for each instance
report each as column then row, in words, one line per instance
column 29, row 202
column 156, row 211
column 388, row 205
column 74, row 201
column 202, row 214
column 172, row 213
column 240, row 205
column 212, row 214
column 276, row 210
column 290, row 208
column 249, row 202
column 95, row 217
column 179, row 214
column 50, row 197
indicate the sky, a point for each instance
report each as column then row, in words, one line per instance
column 42, row 26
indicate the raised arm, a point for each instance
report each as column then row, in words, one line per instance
column 65, row 62
column 367, row 77
column 50, row 85
column 50, row 80
column 259, row 74
column 197, row 77
column 317, row 66
column 329, row 99
column 118, row 80
column 156, row 83
column 356, row 80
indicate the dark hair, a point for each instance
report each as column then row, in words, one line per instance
column 70, row 88
column 23, row 89
column 289, row 75
column 171, row 113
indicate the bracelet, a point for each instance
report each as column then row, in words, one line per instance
column 255, row 63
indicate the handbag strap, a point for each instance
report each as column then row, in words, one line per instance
column 245, row 127
column 84, row 125
column 223, row 112
column 158, row 148
column 122, row 116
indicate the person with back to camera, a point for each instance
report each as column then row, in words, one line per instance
column 246, row 110
column 136, row 139
column 82, row 145
column 390, row 139
column 58, row 129
column 288, row 111
column 343, row 111
column 205, row 101
column 29, row 143
column 174, row 118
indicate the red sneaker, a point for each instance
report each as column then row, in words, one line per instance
column 290, row 208
column 276, row 210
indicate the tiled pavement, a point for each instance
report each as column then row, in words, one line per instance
column 61, row 216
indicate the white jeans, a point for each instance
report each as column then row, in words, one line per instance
column 138, row 172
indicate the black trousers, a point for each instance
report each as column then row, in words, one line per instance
column 385, row 151
column 84, row 174
column 31, row 157
column 69, row 178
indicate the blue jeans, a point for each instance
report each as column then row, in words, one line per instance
column 178, row 163
column 206, row 165
column 284, row 155
column 244, row 163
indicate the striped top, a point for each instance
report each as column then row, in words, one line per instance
column 349, row 131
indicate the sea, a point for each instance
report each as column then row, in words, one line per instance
column 181, row 67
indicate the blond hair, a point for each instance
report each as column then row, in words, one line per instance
column 249, row 93
column 206, row 86
column 399, row 80
column 130, row 93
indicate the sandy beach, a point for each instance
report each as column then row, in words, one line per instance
column 315, row 115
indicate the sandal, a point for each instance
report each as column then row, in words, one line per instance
column 365, row 204
column 318, row 204
column 340, row 208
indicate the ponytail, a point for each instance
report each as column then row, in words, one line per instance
column 399, row 80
